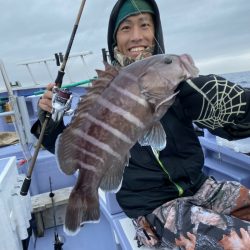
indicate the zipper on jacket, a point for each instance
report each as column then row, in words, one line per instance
column 179, row 188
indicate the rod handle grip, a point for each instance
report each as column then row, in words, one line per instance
column 25, row 186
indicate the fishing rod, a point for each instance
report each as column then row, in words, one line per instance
column 59, row 241
column 61, row 100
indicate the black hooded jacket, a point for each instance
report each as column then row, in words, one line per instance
column 145, row 185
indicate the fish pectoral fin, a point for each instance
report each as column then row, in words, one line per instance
column 162, row 106
column 154, row 137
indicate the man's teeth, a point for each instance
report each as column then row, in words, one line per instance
column 137, row 49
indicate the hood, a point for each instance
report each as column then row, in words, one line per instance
column 159, row 46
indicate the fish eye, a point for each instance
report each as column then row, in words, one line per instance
column 168, row 60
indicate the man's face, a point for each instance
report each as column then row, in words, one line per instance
column 135, row 34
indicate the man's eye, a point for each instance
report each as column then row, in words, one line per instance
column 124, row 28
column 145, row 25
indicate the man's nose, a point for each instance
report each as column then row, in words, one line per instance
column 136, row 34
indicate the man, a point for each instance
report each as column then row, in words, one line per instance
column 171, row 201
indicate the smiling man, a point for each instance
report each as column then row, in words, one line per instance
column 135, row 35
column 134, row 32
column 167, row 191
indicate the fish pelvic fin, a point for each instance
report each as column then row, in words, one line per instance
column 81, row 209
column 154, row 137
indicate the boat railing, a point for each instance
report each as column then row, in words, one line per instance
column 58, row 59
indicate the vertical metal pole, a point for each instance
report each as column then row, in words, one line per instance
column 18, row 120
column 47, row 67
column 32, row 76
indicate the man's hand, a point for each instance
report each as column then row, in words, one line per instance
column 45, row 103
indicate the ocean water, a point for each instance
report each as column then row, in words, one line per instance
column 241, row 78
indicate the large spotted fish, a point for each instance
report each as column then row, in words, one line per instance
column 120, row 109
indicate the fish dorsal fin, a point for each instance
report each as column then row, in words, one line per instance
column 107, row 75
column 111, row 69
column 154, row 137
column 104, row 79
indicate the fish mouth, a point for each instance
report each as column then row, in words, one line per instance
column 187, row 58
column 189, row 66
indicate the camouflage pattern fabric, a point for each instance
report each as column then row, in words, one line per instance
column 217, row 217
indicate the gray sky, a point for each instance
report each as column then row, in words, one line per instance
column 215, row 32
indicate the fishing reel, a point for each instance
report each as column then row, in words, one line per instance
column 61, row 103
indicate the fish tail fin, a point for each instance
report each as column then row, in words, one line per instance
column 81, row 209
